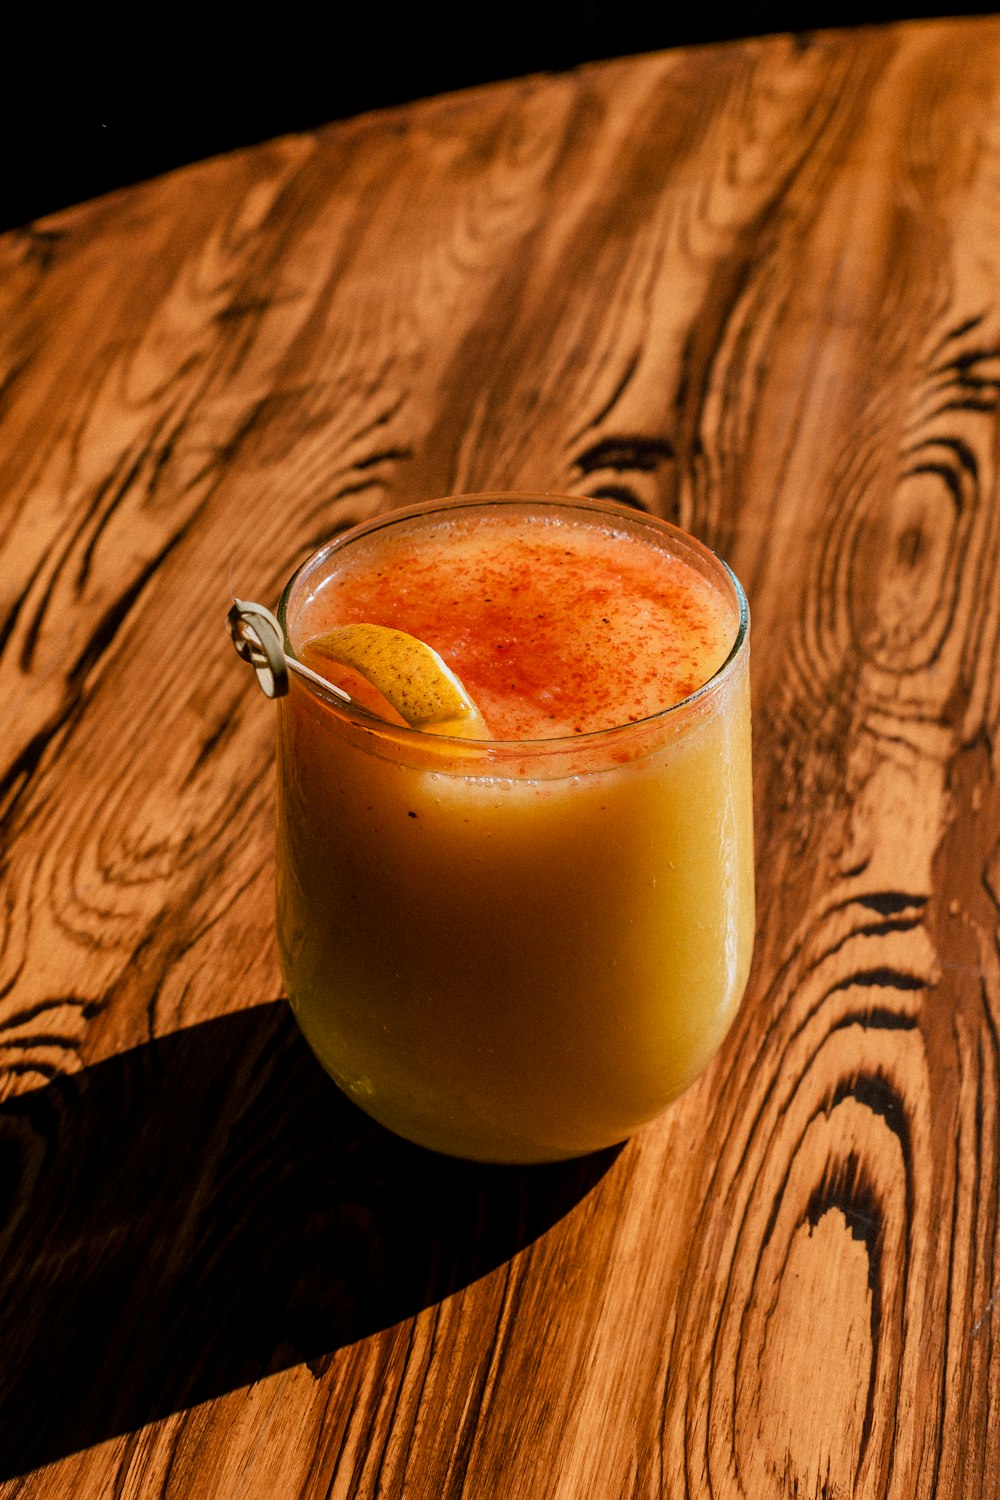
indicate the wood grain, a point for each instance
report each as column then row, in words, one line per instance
column 754, row 288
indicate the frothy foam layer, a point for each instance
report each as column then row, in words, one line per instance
column 556, row 627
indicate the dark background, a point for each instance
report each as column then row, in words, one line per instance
column 88, row 103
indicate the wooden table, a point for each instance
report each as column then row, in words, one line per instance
column 755, row 288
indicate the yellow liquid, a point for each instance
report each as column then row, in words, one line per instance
column 517, row 953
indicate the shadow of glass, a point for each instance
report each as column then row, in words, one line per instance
column 206, row 1209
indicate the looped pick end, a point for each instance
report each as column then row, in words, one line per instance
column 257, row 638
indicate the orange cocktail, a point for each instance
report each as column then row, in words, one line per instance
column 520, row 949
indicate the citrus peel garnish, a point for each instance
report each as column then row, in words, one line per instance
column 408, row 673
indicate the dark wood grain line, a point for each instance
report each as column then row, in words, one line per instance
column 487, row 1378
column 410, row 1456
column 949, row 1282
column 371, row 1481
column 19, row 773
column 87, row 1008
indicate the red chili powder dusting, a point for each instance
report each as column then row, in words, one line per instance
column 555, row 627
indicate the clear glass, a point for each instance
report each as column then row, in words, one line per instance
column 516, row 951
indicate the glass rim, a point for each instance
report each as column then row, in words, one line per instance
column 554, row 744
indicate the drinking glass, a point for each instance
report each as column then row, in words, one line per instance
column 515, row 951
